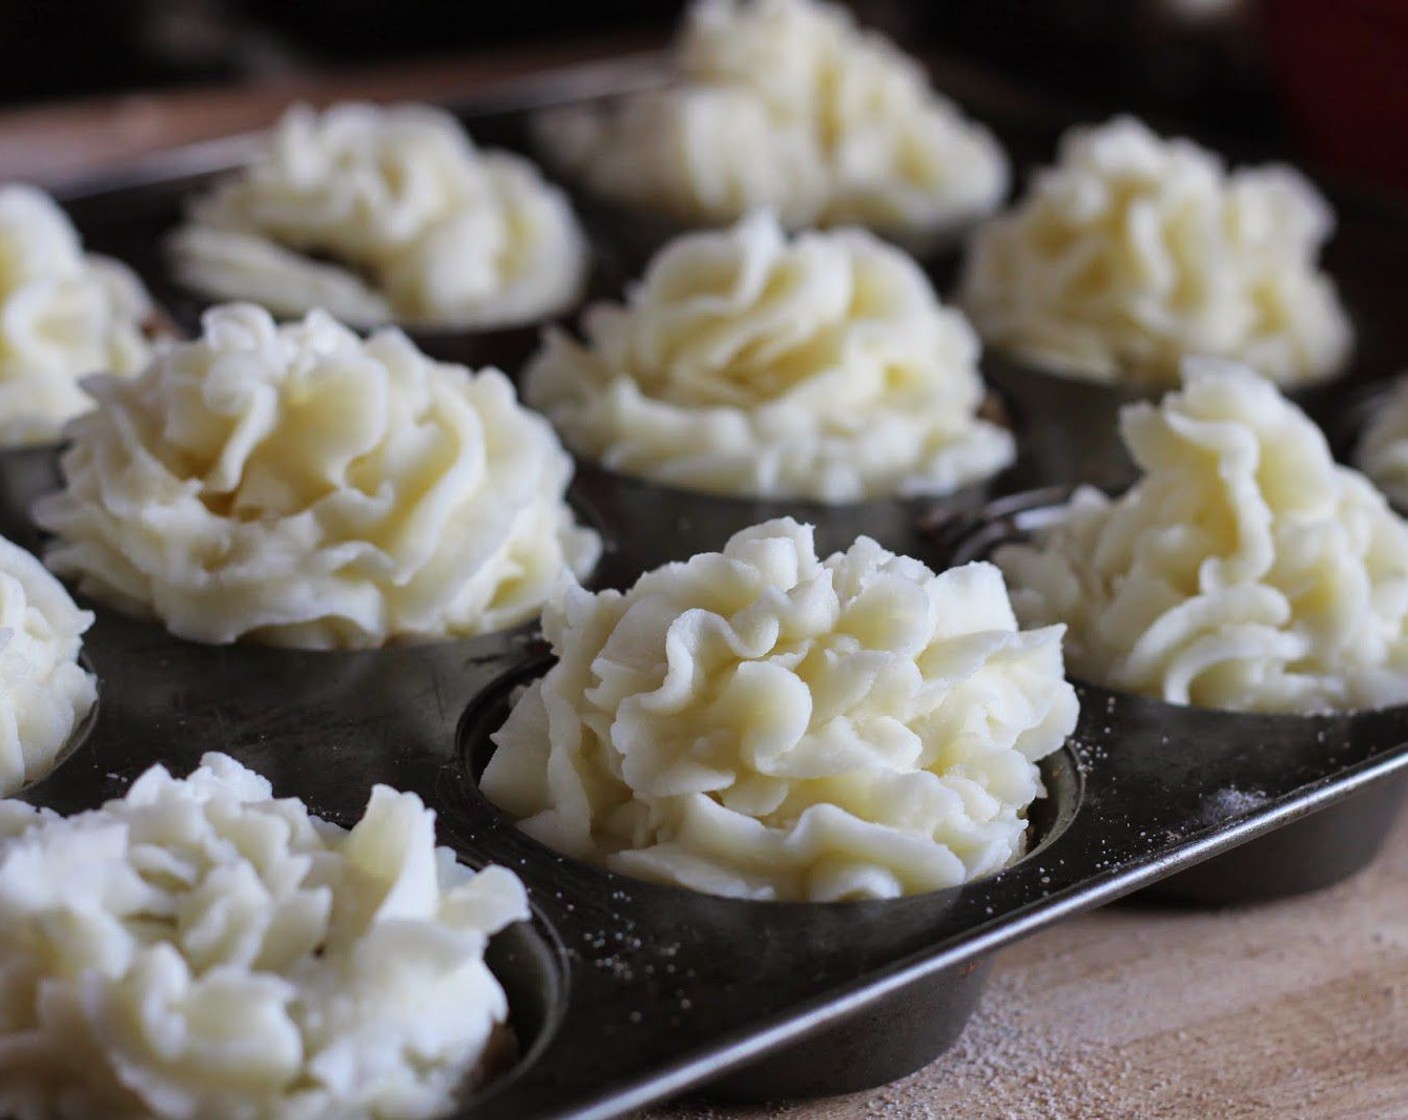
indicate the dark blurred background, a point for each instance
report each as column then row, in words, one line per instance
column 1313, row 79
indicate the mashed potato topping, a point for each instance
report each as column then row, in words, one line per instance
column 381, row 215
column 63, row 314
column 749, row 363
column 198, row 948
column 1246, row 569
column 788, row 104
column 298, row 486
column 1133, row 252
column 766, row 724
column 44, row 692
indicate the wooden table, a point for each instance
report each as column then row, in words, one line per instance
column 1296, row 1009
column 55, row 142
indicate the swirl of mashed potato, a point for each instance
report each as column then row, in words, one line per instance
column 63, row 314
column 693, row 152
column 763, row 724
column 1244, row 570
column 382, row 215
column 1134, row 252
column 821, row 367
column 296, row 486
column 788, row 104
column 1383, row 450
column 198, row 948
column 47, row 693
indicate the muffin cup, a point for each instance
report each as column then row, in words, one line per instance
column 505, row 348
column 785, row 950
column 134, row 226
column 26, row 473
column 1347, row 420
column 1072, row 424
column 1234, row 763
column 321, row 726
column 885, row 1041
column 636, row 234
column 645, row 524
column 1311, row 853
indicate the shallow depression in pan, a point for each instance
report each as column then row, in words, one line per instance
column 324, row 726
column 168, row 702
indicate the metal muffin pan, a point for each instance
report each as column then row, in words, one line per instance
column 623, row 992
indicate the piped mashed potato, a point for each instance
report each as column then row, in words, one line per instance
column 1134, row 252
column 765, row 724
column 297, row 486
column 1245, row 569
column 748, row 363
column 44, row 692
column 1383, row 450
column 788, row 104
column 64, row 314
column 381, row 215
column 200, row 949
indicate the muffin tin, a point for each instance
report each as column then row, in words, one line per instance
column 624, row 992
